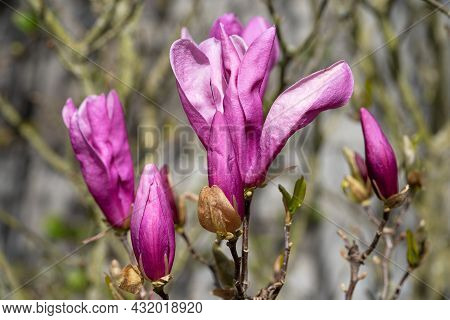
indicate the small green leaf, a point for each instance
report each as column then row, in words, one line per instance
column 299, row 195
column 25, row 21
column 412, row 253
column 286, row 196
column 225, row 267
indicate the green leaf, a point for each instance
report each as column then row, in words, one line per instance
column 225, row 267
column 412, row 253
column 299, row 195
column 286, row 196
column 25, row 21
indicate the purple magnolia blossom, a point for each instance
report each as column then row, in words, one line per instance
column 99, row 139
column 221, row 83
column 380, row 157
column 152, row 228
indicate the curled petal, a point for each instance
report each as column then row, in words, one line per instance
column 297, row 107
column 380, row 157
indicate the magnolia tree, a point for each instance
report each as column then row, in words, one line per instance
column 221, row 82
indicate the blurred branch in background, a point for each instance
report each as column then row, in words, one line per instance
column 442, row 7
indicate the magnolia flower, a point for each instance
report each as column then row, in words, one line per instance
column 221, row 83
column 152, row 228
column 99, row 139
column 380, row 157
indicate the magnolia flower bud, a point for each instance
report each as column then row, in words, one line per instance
column 356, row 163
column 356, row 190
column 357, row 185
column 215, row 212
column 152, row 228
column 99, row 139
column 380, row 157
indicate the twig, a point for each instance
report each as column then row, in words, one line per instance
column 237, row 267
column 271, row 291
column 371, row 217
column 7, row 271
column 356, row 258
column 385, row 265
column 401, row 283
column 245, row 230
column 439, row 6
column 391, row 241
column 378, row 234
column 198, row 257
column 160, row 292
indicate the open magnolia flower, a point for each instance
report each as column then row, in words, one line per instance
column 221, row 83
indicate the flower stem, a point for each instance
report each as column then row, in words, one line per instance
column 245, row 230
column 237, row 267
column 160, row 292
column 401, row 283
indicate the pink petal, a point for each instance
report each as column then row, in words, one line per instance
column 223, row 168
column 192, row 70
column 297, row 107
column 230, row 22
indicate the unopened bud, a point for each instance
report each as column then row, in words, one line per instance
column 409, row 151
column 356, row 164
column 216, row 213
column 376, row 260
column 362, row 276
column 414, row 179
column 115, row 269
column 356, row 190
